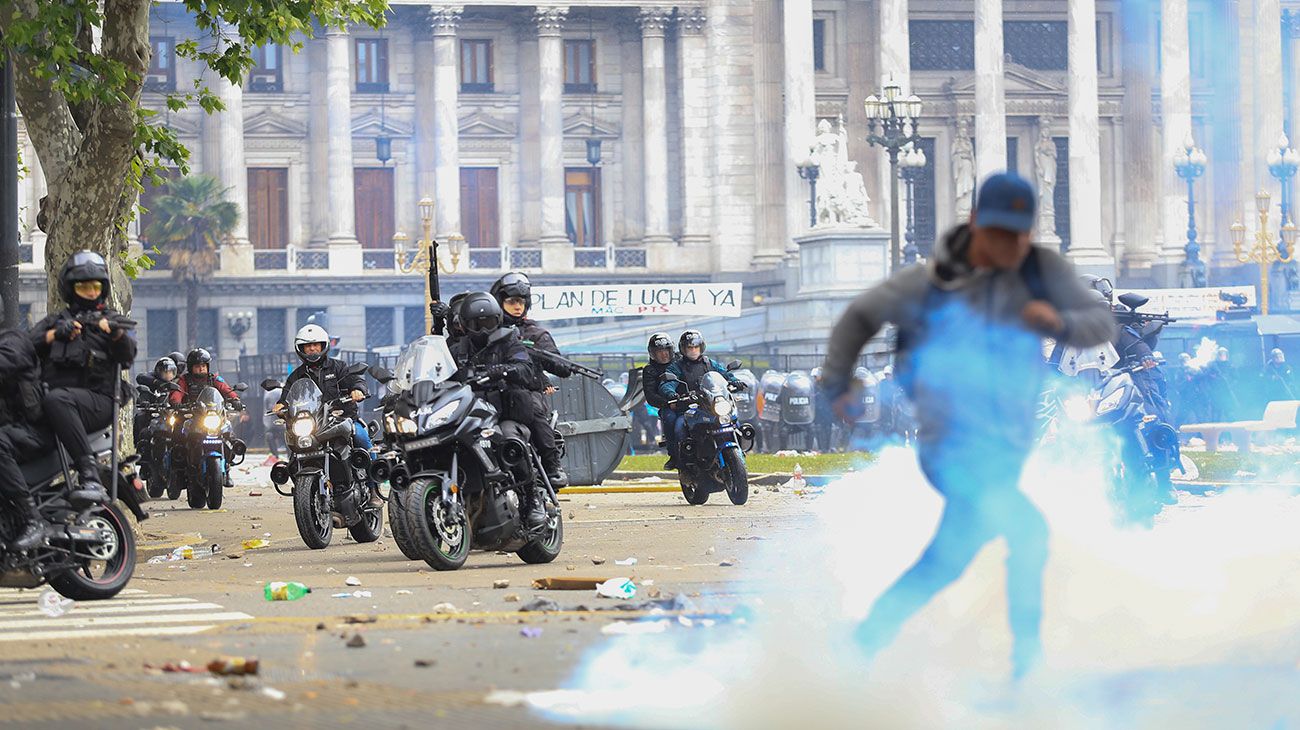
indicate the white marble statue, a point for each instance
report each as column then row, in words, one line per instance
column 1045, row 167
column 963, row 170
column 841, row 192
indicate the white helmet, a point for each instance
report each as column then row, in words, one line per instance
column 307, row 335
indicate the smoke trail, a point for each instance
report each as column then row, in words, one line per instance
column 1206, row 353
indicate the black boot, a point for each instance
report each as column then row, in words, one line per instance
column 554, row 470
column 33, row 535
column 536, row 516
column 91, row 489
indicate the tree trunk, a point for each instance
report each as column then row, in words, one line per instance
column 191, row 313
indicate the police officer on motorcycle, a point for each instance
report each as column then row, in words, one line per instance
column 490, row 346
column 690, row 367
column 82, row 349
column 198, row 375
column 332, row 377
column 21, row 431
column 514, row 292
column 164, row 371
column 1134, row 349
column 660, row 349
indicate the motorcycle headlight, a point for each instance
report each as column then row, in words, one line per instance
column 441, row 416
column 406, row 425
column 1078, row 408
column 1110, row 402
column 212, row 422
column 722, row 407
column 303, row 427
column 171, row 419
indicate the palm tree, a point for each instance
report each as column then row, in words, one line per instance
column 190, row 222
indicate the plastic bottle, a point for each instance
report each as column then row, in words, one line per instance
column 282, row 591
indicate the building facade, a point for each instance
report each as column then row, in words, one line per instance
column 701, row 112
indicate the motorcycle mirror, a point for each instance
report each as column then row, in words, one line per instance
column 357, row 368
column 270, row 384
column 144, row 379
column 241, row 387
column 381, row 373
column 733, row 365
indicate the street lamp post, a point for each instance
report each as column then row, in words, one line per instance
column 1282, row 164
column 912, row 161
column 809, row 170
column 426, row 252
column 1264, row 252
column 891, row 125
column 1190, row 164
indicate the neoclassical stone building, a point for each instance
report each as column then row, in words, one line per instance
column 702, row 111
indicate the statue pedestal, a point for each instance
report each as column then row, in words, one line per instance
column 834, row 265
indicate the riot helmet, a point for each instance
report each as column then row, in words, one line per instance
column 1101, row 285
column 480, row 315
column 454, row 323
column 165, row 369
column 84, row 266
column 659, row 343
column 311, row 334
column 178, row 358
column 514, row 284
column 691, row 338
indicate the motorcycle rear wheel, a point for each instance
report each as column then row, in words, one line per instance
column 437, row 541
column 369, row 527
column 83, row 584
column 546, row 548
column 737, row 476
column 315, row 523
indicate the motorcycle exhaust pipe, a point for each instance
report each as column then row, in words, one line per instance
column 514, row 452
column 380, row 470
column 399, row 477
column 360, row 459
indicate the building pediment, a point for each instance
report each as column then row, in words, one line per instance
column 479, row 124
column 582, row 124
column 182, row 126
column 373, row 125
column 1019, row 80
column 268, row 123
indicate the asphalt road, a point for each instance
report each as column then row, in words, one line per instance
column 422, row 663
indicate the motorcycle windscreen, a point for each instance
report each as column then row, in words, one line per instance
column 210, row 397
column 428, row 359
column 713, row 385
column 304, row 397
column 1075, row 360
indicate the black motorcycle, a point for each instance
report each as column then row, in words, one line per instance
column 152, row 434
column 203, row 447
column 462, row 478
column 327, row 471
column 711, row 457
column 89, row 548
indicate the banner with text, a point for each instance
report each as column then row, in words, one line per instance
column 1192, row 304
column 635, row 300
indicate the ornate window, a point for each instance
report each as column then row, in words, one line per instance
column 582, row 205
column 268, row 207
column 479, row 217
column 942, row 45
column 476, row 66
column 1038, row 44
column 372, row 65
column 819, row 44
column 267, row 74
column 161, row 75
column 579, row 67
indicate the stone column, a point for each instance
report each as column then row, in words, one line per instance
column 236, row 258
column 345, row 250
column 693, row 55
column 896, row 61
column 1086, row 247
column 550, row 57
column 800, row 112
column 425, row 144
column 990, row 91
column 1176, row 125
column 1268, row 99
column 654, row 116
column 446, row 122
column 1140, row 159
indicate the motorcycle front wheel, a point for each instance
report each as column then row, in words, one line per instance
column 695, row 493
column 311, row 510
column 397, row 524
column 737, row 474
column 436, row 535
column 216, row 481
column 370, row 525
column 105, row 569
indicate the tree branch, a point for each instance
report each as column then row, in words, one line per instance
column 51, row 128
column 85, row 43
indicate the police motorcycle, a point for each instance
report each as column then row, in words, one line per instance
column 711, row 456
column 203, row 448
column 327, row 473
column 461, row 476
column 88, row 552
column 152, row 434
column 798, row 411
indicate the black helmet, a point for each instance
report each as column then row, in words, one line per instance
column 164, row 365
column 513, row 284
column 659, row 341
column 691, row 338
column 198, row 356
column 454, row 323
column 177, row 358
column 1101, row 285
column 83, row 266
column 480, row 315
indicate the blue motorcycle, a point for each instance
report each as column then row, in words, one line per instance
column 201, row 458
column 711, row 456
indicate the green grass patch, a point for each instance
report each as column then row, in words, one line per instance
column 768, row 463
column 1227, row 466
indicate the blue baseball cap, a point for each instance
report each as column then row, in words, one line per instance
column 1006, row 201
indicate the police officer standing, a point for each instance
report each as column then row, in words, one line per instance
column 82, row 349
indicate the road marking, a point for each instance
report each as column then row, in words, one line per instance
column 136, row 613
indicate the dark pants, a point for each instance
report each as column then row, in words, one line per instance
column 668, row 424
column 539, row 426
column 73, row 413
column 17, row 444
column 983, row 503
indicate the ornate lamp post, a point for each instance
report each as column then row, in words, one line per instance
column 891, row 125
column 426, row 251
column 1282, row 164
column 809, row 170
column 912, row 161
column 1190, row 164
column 238, row 324
column 1264, row 253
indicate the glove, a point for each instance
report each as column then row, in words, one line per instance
column 498, row 371
column 440, row 310
column 64, row 330
column 237, row 405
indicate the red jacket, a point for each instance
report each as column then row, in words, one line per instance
column 190, row 389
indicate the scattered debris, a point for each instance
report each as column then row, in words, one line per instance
column 710, row 551
column 54, row 605
column 622, row 588
column 445, row 608
column 511, row 598
column 234, row 556
column 727, row 563
column 255, row 543
column 500, row 584
column 634, row 628
column 403, row 592
column 181, row 667
column 567, row 584
column 752, row 537
column 284, row 591
column 597, row 560
column 331, row 569
column 352, row 580
column 272, row 692
column 234, row 666
column 530, row 632
column 628, row 561
column 357, row 641
column 353, row 594
column 425, row 662
column 254, row 493
column 570, row 567
column 360, row 618
column 540, row 605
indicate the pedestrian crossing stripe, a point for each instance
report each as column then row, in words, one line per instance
column 132, row 612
